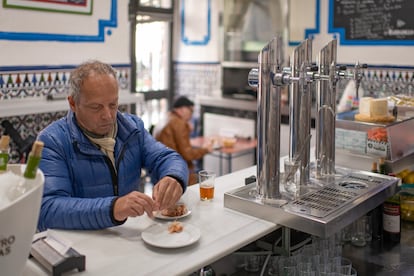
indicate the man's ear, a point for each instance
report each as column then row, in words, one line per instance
column 71, row 103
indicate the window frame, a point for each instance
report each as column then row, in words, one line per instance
column 155, row 14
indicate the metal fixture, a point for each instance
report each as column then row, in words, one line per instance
column 321, row 212
column 325, row 197
column 268, row 120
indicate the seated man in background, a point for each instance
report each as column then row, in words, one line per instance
column 175, row 133
column 92, row 159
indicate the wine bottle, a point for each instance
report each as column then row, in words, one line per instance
column 382, row 167
column 391, row 216
column 33, row 160
column 375, row 215
column 4, row 152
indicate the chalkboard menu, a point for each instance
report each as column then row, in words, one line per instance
column 381, row 20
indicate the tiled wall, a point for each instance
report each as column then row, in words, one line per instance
column 381, row 82
column 197, row 79
column 387, row 82
column 35, row 83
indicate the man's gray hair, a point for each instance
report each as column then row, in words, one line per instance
column 80, row 73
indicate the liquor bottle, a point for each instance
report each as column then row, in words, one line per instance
column 391, row 214
column 382, row 167
column 392, row 219
column 4, row 152
column 374, row 168
column 33, row 160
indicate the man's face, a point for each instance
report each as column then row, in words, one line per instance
column 98, row 104
column 185, row 112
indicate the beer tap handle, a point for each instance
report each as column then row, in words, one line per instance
column 314, row 68
column 358, row 75
column 253, row 78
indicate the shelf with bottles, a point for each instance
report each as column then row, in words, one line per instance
column 384, row 82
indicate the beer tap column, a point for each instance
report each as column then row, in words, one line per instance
column 300, row 103
column 326, row 111
column 268, row 120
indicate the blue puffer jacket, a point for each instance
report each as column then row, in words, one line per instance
column 80, row 181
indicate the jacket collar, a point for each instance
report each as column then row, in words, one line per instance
column 125, row 130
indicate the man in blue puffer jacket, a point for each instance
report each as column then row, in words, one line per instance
column 92, row 159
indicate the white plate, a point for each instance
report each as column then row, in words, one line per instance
column 158, row 235
column 160, row 216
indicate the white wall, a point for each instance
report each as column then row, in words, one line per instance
column 196, row 32
column 114, row 47
column 302, row 17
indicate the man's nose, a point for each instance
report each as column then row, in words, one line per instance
column 106, row 113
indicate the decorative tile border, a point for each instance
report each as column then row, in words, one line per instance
column 38, row 81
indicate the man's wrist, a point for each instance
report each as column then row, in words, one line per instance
column 112, row 213
column 180, row 181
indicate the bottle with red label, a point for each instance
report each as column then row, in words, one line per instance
column 391, row 219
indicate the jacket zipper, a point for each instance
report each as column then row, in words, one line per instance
column 113, row 171
column 113, row 175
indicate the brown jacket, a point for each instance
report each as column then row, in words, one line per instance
column 176, row 135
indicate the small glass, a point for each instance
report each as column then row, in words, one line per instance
column 206, row 182
column 252, row 263
column 346, row 233
column 292, row 176
column 273, row 266
column 359, row 232
column 289, row 271
column 353, row 272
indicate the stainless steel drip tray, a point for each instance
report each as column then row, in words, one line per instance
column 325, row 208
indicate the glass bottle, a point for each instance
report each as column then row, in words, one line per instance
column 4, row 152
column 392, row 219
column 33, row 160
column 375, row 215
column 382, row 167
column 374, row 168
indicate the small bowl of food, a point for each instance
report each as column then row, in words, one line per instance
column 228, row 142
column 175, row 212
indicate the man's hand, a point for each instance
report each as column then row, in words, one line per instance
column 208, row 147
column 166, row 193
column 132, row 205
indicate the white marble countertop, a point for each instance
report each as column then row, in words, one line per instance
column 121, row 251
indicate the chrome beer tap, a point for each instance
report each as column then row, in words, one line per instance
column 328, row 76
column 270, row 78
column 268, row 119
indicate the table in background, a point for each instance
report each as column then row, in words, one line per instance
column 241, row 147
